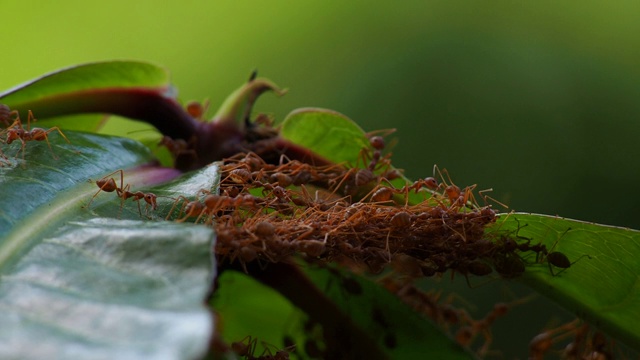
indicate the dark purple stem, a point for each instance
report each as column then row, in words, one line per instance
column 142, row 104
column 225, row 136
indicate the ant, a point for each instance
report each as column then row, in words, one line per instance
column 15, row 131
column 179, row 147
column 559, row 259
column 190, row 208
column 197, row 110
column 7, row 115
column 108, row 184
column 210, row 205
column 542, row 343
column 377, row 142
column 459, row 198
column 553, row 258
column 467, row 333
column 247, row 348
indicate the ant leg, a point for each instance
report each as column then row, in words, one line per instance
column 518, row 230
column 38, row 134
column 22, row 148
column 59, row 132
column 4, row 160
column 124, row 194
column 175, row 203
column 485, row 197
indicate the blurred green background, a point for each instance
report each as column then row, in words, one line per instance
column 538, row 100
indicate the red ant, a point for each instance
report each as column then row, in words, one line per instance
column 460, row 197
column 196, row 109
column 7, row 115
column 108, row 184
column 179, row 147
column 15, row 131
column 542, row 343
column 211, row 204
column 467, row 333
column 377, row 142
column 190, row 208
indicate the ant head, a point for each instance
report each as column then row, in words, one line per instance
column 151, row 200
column 377, row 142
column 14, row 134
column 431, row 183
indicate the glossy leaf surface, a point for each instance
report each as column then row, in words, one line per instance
column 100, row 281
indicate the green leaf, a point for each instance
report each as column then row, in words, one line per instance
column 265, row 315
column 345, row 314
column 96, row 281
column 601, row 286
column 397, row 331
column 88, row 77
column 137, row 90
column 326, row 132
column 46, row 94
column 338, row 139
column 44, row 175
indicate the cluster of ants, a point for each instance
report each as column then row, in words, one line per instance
column 577, row 338
column 15, row 131
column 354, row 216
column 265, row 212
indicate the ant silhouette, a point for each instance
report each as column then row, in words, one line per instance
column 559, row 259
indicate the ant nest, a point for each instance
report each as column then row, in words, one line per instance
column 353, row 216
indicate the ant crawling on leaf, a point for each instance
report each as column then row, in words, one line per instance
column 15, row 131
column 553, row 258
column 559, row 259
column 108, row 184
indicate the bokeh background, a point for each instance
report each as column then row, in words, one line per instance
column 538, row 100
